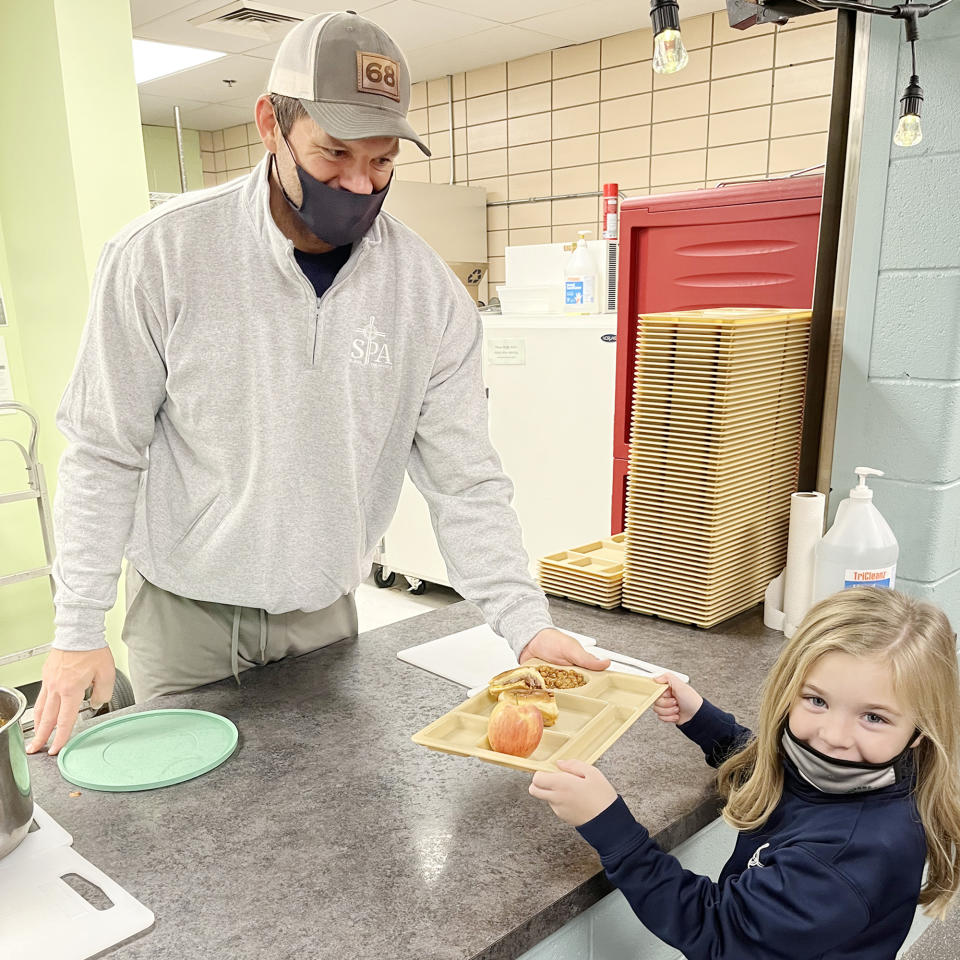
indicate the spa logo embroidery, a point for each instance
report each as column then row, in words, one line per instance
column 755, row 859
column 368, row 349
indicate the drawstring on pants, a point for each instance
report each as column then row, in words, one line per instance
column 235, row 641
column 235, row 645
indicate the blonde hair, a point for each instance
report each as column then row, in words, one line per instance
column 918, row 643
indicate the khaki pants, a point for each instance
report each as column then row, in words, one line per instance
column 175, row 643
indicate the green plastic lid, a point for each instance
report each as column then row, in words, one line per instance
column 143, row 751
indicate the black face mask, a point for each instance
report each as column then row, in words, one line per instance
column 338, row 217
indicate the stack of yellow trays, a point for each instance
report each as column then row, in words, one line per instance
column 714, row 455
column 591, row 573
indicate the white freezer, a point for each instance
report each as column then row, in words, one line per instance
column 551, row 388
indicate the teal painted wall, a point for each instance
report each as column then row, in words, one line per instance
column 899, row 402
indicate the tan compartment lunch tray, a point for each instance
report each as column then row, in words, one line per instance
column 591, row 718
column 583, row 565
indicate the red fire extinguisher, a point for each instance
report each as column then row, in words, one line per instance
column 611, row 203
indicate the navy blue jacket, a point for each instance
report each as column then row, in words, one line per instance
column 828, row 877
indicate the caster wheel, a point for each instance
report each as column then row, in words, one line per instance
column 417, row 587
column 384, row 581
column 122, row 696
column 122, row 693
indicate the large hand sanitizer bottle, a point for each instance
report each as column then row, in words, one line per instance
column 859, row 550
column 580, row 284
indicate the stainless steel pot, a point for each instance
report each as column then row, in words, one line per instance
column 16, row 800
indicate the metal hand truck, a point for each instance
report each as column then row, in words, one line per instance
column 36, row 489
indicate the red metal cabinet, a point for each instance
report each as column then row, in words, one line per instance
column 743, row 245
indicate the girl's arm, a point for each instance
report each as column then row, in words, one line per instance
column 716, row 733
column 792, row 907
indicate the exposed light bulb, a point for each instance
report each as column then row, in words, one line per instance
column 908, row 131
column 669, row 53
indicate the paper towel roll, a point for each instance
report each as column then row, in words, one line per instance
column 773, row 603
column 806, row 528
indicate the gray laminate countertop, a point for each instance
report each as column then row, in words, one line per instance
column 329, row 834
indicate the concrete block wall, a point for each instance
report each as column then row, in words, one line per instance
column 899, row 404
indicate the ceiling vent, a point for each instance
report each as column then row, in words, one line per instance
column 258, row 22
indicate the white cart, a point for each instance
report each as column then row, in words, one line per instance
column 36, row 489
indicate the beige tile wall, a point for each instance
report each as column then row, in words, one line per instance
column 748, row 104
column 229, row 153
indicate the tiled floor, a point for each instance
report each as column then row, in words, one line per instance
column 377, row 607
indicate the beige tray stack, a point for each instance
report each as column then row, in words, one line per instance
column 591, row 573
column 714, row 454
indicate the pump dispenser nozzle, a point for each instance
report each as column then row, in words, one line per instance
column 861, row 491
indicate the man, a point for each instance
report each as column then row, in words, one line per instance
column 261, row 362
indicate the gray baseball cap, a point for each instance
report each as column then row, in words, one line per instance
column 351, row 78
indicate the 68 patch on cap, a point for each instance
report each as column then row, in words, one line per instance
column 350, row 76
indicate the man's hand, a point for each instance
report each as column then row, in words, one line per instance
column 560, row 648
column 577, row 794
column 66, row 676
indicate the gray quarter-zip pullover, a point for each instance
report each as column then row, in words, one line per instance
column 244, row 442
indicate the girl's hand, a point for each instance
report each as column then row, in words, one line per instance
column 577, row 794
column 677, row 704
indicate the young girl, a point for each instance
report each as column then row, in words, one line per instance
column 850, row 785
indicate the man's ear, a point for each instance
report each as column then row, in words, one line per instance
column 266, row 121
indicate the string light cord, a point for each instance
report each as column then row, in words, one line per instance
column 901, row 11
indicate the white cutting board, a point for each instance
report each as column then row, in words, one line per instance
column 48, row 834
column 42, row 916
column 470, row 657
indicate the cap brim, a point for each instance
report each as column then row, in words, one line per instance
column 350, row 121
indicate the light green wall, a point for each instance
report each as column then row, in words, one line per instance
column 71, row 177
column 163, row 164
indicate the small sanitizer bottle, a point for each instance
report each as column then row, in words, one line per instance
column 580, row 279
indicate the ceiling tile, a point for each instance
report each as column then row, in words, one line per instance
column 478, row 50
column 214, row 117
column 206, row 82
column 505, row 11
column 412, row 23
column 169, row 21
column 143, row 11
column 158, row 111
column 175, row 27
column 591, row 21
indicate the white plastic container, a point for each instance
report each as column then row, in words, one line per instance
column 530, row 299
column 860, row 548
column 580, row 278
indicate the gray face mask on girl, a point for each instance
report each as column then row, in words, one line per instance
column 338, row 217
column 844, row 776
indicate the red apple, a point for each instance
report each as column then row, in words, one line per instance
column 514, row 729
